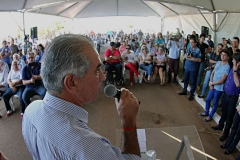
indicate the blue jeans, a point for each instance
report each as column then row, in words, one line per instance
column 206, row 81
column 30, row 92
column 228, row 111
column 200, row 72
column 148, row 69
column 192, row 76
column 113, row 67
column 98, row 48
column 212, row 94
column 234, row 137
column 9, row 93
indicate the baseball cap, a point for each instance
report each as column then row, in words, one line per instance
column 112, row 44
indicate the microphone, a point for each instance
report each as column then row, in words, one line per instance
column 111, row 91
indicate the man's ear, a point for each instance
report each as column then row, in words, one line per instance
column 69, row 83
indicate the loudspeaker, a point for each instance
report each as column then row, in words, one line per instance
column 205, row 30
column 34, row 33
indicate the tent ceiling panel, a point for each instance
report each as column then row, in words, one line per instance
column 225, row 5
column 99, row 8
column 11, row 5
column 73, row 11
column 56, row 9
column 134, row 8
column 182, row 9
column 33, row 3
column 194, row 3
column 163, row 11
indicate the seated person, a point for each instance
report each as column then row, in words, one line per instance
column 112, row 58
column 146, row 63
column 160, row 60
column 15, row 87
column 3, row 78
column 130, row 63
column 4, row 65
column 21, row 62
column 36, row 55
column 32, row 80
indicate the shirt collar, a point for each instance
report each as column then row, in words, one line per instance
column 66, row 107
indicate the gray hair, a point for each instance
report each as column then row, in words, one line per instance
column 65, row 55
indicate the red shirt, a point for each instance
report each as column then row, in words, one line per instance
column 109, row 53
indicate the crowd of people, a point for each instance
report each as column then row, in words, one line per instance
column 138, row 52
column 157, row 54
column 20, row 73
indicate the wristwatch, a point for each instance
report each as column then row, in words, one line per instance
column 235, row 71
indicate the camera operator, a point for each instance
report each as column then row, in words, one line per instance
column 233, row 49
column 174, row 46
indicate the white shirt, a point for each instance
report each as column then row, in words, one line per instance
column 129, row 57
column 3, row 80
column 15, row 76
column 143, row 57
column 174, row 52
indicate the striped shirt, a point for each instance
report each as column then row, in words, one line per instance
column 53, row 128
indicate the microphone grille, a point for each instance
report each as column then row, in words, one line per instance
column 110, row 90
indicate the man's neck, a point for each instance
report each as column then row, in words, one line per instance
column 224, row 62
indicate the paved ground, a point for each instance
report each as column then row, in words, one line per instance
column 161, row 106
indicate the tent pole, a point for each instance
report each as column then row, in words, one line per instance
column 23, row 24
column 215, row 26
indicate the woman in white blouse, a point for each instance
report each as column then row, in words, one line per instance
column 130, row 60
column 146, row 62
column 160, row 60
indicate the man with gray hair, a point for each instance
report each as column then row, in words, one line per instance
column 56, row 127
column 32, row 80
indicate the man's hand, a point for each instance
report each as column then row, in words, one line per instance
column 2, row 156
column 14, row 89
column 127, row 108
column 238, row 109
column 235, row 66
column 210, row 84
column 33, row 79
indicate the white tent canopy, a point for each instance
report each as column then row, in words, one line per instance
column 187, row 15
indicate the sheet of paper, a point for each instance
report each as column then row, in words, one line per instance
column 141, row 135
column 143, row 147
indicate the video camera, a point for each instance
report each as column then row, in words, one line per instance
column 176, row 35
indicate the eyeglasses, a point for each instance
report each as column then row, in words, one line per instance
column 143, row 49
column 127, row 48
column 30, row 57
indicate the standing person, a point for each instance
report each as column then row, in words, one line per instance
column 210, row 42
column 216, row 84
column 69, row 88
column 41, row 51
column 229, row 98
column 233, row 49
column 193, row 57
column 99, row 40
column 174, row 47
column 234, row 137
column 205, row 49
column 160, row 40
column 5, row 52
column 214, row 58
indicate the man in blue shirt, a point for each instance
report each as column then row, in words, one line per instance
column 32, row 80
column 5, row 52
column 56, row 127
column 193, row 57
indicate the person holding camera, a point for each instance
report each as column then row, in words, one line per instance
column 193, row 57
column 174, row 46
